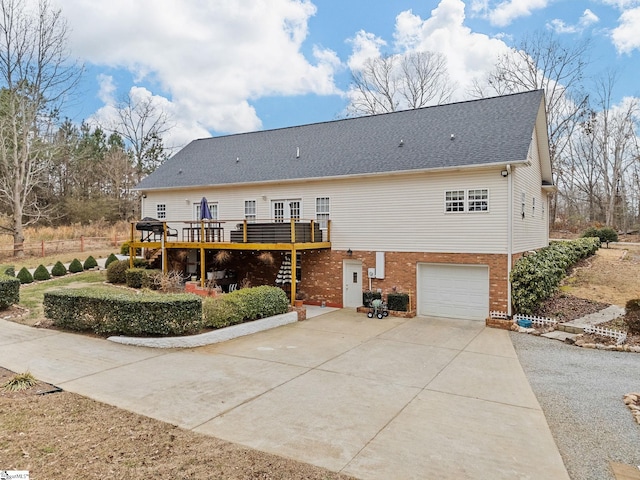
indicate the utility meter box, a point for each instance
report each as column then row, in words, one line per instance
column 371, row 273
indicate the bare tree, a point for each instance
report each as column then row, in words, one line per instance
column 36, row 75
column 615, row 141
column 142, row 124
column 541, row 61
column 400, row 82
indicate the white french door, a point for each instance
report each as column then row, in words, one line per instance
column 285, row 210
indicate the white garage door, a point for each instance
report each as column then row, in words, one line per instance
column 457, row 291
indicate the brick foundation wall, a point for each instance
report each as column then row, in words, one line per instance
column 322, row 273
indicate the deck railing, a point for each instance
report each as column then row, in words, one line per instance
column 270, row 231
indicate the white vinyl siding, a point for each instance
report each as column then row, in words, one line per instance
column 530, row 228
column 402, row 212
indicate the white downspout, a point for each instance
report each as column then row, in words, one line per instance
column 509, row 237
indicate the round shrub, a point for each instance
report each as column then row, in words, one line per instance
column 116, row 272
column 110, row 259
column 24, row 276
column 59, row 270
column 75, row 266
column 90, row 263
column 41, row 273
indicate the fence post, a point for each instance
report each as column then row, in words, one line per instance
column 42, row 247
column 82, row 243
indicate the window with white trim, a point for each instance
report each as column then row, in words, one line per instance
column 473, row 200
column 478, row 200
column 161, row 211
column 454, row 201
column 533, row 207
column 250, row 211
column 322, row 211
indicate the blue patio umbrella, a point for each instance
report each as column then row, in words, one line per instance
column 205, row 211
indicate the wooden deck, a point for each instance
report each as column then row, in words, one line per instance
column 289, row 236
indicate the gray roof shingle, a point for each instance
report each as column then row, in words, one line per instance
column 486, row 131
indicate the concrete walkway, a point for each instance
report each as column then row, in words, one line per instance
column 376, row 399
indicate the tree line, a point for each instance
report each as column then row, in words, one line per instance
column 52, row 171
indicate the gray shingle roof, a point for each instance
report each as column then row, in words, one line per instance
column 486, row 131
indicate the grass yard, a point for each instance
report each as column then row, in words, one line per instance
column 32, row 295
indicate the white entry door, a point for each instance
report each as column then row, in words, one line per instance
column 352, row 283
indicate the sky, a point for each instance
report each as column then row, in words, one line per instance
column 223, row 66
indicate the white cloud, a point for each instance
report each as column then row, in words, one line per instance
column 587, row 19
column 504, row 12
column 107, row 88
column 622, row 4
column 365, row 45
column 210, row 59
column 469, row 55
column 625, row 36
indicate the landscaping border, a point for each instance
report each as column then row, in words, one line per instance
column 208, row 338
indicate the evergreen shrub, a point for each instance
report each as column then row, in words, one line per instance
column 24, row 276
column 41, row 273
column 75, row 266
column 90, row 263
column 58, row 270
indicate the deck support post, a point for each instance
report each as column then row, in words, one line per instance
column 294, row 267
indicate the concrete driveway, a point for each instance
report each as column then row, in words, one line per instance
column 376, row 399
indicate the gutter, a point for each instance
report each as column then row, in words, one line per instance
column 509, row 237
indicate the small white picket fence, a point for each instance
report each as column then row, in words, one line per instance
column 620, row 337
column 538, row 321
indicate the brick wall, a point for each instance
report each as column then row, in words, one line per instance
column 322, row 273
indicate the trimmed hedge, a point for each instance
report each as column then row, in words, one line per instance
column 75, row 266
column 109, row 313
column 41, row 273
column 9, row 291
column 141, row 278
column 537, row 276
column 90, row 263
column 244, row 305
column 110, row 259
column 59, row 270
column 24, row 276
column 398, row 302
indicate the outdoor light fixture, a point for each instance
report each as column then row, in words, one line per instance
column 349, row 253
column 504, row 173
